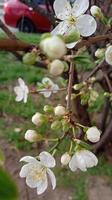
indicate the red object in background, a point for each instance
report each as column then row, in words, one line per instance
column 18, row 15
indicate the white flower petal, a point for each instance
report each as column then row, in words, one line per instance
column 71, row 45
column 25, row 98
column 47, row 159
column 86, row 25
column 73, row 163
column 62, row 9
column 21, row 82
column 52, row 178
column 80, row 7
column 93, row 157
column 18, row 91
column 24, row 171
column 61, row 28
column 42, row 187
column 31, row 182
column 81, row 162
column 55, row 87
column 46, row 94
column 29, row 159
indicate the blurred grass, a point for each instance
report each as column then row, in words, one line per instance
column 18, row 115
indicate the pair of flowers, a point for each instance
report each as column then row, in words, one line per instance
column 22, row 89
column 38, row 170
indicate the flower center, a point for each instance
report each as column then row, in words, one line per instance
column 38, row 173
column 72, row 20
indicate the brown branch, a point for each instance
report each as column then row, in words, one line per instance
column 13, row 45
column 89, row 42
column 7, row 31
column 92, row 40
column 104, row 138
column 70, row 84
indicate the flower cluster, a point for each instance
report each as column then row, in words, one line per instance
column 74, row 24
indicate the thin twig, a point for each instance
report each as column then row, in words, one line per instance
column 70, row 84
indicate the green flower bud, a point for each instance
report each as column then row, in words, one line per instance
column 78, row 86
column 96, row 12
column 30, row 58
column 56, row 125
column 100, row 53
column 48, row 109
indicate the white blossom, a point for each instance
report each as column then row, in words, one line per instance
column 82, row 160
column 65, row 158
column 59, row 110
column 54, row 47
column 21, row 91
column 56, row 67
column 31, row 136
column 93, row 134
column 48, row 87
column 37, row 172
column 108, row 55
column 74, row 17
column 37, row 119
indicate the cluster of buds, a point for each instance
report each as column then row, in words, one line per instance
column 87, row 93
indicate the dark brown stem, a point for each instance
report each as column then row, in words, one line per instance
column 104, row 138
column 7, row 31
column 70, row 84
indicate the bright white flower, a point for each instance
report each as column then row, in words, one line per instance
column 21, row 91
column 59, row 110
column 96, row 11
column 54, row 47
column 65, row 158
column 74, row 17
column 37, row 119
column 37, row 172
column 48, row 87
column 108, row 55
column 93, row 134
column 56, row 67
column 82, row 160
column 32, row 136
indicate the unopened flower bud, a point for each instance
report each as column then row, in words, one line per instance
column 56, row 67
column 38, row 119
column 99, row 53
column 96, row 12
column 54, row 47
column 56, row 125
column 78, row 86
column 30, row 57
column 32, row 136
column 48, row 109
column 93, row 95
column 65, row 158
column 93, row 134
column 72, row 35
column 108, row 55
column 59, row 110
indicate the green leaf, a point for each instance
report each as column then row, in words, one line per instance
column 8, row 190
column 84, row 61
